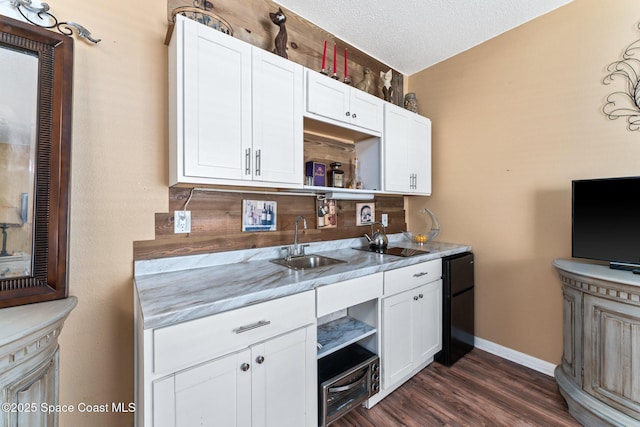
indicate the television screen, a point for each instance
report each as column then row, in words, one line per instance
column 606, row 220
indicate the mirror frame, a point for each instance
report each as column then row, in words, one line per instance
column 48, row 279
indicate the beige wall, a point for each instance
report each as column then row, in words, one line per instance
column 514, row 121
column 119, row 179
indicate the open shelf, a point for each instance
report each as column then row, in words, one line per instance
column 339, row 333
column 343, row 132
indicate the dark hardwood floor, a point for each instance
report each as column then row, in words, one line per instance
column 478, row 390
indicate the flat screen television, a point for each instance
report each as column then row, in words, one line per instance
column 606, row 221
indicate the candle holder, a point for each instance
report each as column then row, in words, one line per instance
column 346, row 81
column 325, row 72
column 335, row 76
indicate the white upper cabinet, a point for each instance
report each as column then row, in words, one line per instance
column 235, row 111
column 407, row 151
column 334, row 102
column 237, row 117
column 277, row 119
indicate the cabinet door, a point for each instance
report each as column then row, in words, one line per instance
column 428, row 321
column 397, row 337
column 327, row 97
column 216, row 103
column 366, row 110
column 277, row 119
column 37, row 387
column 212, row 394
column 572, row 333
column 283, row 380
column 396, row 143
column 612, row 353
column 420, row 154
column 407, row 151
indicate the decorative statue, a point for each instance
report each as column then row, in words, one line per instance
column 279, row 19
column 387, row 90
column 366, row 84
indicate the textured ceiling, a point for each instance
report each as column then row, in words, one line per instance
column 411, row 35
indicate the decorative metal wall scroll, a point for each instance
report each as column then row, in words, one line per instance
column 625, row 103
column 47, row 20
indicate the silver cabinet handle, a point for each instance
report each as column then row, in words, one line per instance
column 245, row 367
column 246, row 328
column 421, row 296
column 415, row 298
column 353, row 115
column 247, row 161
column 424, row 273
column 258, row 162
column 347, row 114
column 260, row 360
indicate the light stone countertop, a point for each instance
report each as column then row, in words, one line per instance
column 174, row 290
column 597, row 270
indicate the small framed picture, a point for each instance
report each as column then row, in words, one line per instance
column 365, row 213
column 259, row 215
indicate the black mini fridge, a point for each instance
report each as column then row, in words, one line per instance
column 457, row 308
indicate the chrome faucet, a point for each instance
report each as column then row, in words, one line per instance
column 297, row 250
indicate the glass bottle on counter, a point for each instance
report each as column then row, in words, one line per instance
column 336, row 175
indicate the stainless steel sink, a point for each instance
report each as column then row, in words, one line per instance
column 307, row 262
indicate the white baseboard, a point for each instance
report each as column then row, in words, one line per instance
column 515, row 356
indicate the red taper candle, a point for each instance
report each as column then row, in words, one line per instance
column 335, row 58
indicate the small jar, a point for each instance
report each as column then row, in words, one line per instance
column 336, row 175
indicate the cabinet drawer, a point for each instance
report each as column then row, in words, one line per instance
column 404, row 278
column 185, row 344
column 345, row 294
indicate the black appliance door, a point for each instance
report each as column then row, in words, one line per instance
column 457, row 307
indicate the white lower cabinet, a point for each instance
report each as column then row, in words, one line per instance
column 253, row 366
column 411, row 322
column 256, row 366
column 264, row 385
column 411, row 331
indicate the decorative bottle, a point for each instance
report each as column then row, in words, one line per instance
column 336, row 175
column 356, row 171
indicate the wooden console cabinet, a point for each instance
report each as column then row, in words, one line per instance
column 599, row 375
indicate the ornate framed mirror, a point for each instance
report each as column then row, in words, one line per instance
column 36, row 67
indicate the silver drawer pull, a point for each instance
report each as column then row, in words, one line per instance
column 424, row 273
column 259, row 324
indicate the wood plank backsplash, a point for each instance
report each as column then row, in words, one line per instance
column 250, row 22
column 216, row 223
